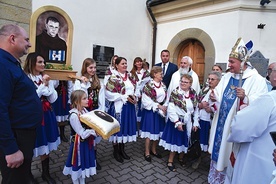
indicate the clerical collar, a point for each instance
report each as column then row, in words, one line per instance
column 274, row 88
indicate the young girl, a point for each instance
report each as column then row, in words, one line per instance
column 91, row 84
column 81, row 160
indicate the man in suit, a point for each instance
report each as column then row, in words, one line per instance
column 168, row 67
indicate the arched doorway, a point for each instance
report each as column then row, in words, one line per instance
column 183, row 37
column 196, row 51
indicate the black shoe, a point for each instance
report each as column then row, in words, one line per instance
column 98, row 166
column 156, row 154
column 147, row 158
column 116, row 154
column 45, row 172
column 182, row 161
column 122, row 151
column 62, row 135
column 171, row 166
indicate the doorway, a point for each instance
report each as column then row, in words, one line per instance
column 196, row 51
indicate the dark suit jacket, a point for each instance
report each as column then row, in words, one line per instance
column 170, row 70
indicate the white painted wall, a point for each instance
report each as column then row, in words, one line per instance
column 122, row 24
column 224, row 27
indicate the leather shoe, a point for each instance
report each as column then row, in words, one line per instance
column 156, row 154
column 147, row 158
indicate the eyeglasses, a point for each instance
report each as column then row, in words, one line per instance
column 269, row 71
column 184, row 82
column 212, row 79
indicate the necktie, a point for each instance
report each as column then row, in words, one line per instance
column 164, row 67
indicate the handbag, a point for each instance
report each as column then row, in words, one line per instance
column 194, row 149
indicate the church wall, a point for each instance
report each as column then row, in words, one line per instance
column 122, row 24
column 224, row 22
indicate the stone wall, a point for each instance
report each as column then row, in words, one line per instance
column 16, row 11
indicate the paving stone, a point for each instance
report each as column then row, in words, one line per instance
column 133, row 171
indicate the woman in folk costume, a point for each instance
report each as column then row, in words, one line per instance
column 47, row 136
column 94, row 89
column 182, row 119
column 120, row 91
column 153, row 122
column 109, row 71
column 236, row 89
column 62, row 107
column 206, row 112
column 81, row 160
column 142, row 76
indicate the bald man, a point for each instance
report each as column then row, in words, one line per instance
column 21, row 109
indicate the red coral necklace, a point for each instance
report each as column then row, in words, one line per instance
column 187, row 96
column 125, row 77
column 156, row 85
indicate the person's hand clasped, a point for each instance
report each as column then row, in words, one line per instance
column 132, row 99
column 163, row 108
column 195, row 128
column 212, row 96
column 15, row 160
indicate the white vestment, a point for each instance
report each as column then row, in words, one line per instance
column 250, row 128
column 175, row 81
column 254, row 86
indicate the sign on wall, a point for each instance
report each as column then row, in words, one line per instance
column 102, row 55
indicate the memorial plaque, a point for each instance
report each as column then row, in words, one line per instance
column 259, row 62
column 102, row 55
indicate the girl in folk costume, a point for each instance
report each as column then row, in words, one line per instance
column 62, row 107
column 47, row 136
column 91, row 84
column 142, row 76
column 182, row 110
column 81, row 161
column 153, row 113
column 206, row 112
column 120, row 90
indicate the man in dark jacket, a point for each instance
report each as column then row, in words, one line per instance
column 20, row 108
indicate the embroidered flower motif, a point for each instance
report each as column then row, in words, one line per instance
column 145, row 74
column 108, row 71
column 149, row 90
column 178, row 99
column 202, row 94
column 116, row 84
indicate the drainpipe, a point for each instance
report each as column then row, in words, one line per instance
column 151, row 3
column 153, row 32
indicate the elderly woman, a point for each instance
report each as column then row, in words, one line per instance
column 206, row 108
column 120, row 89
column 182, row 119
column 142, row 76
column 153, row 120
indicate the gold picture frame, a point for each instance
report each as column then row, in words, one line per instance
column 37, row 24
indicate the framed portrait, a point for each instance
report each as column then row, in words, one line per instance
column 51, row 31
